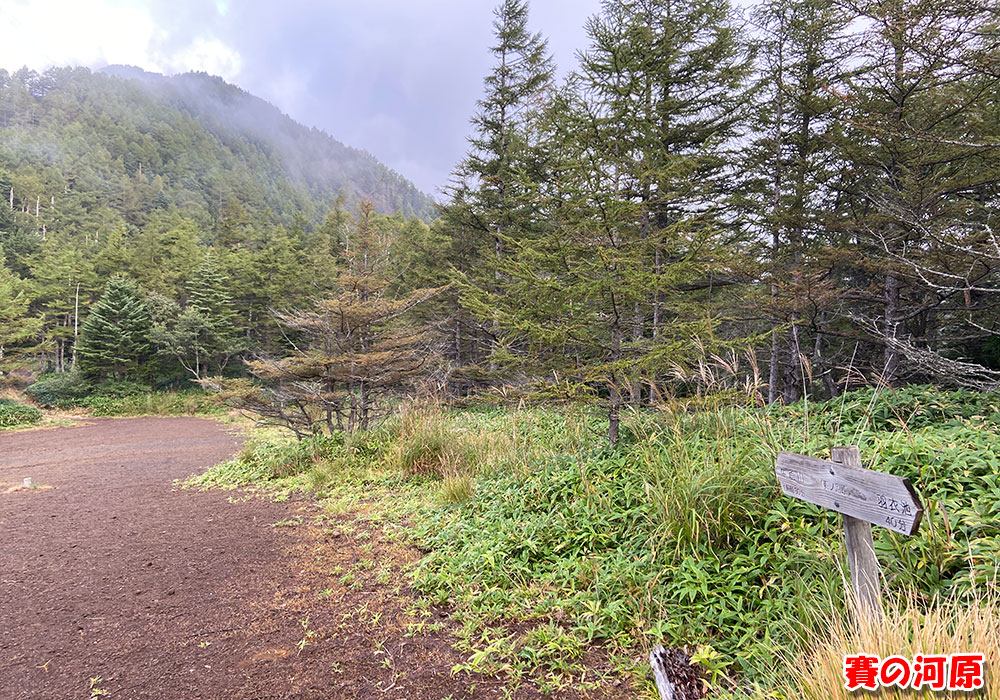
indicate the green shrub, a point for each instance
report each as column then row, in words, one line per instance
column 59, row 390
column 13, row 414
column 120, row 389
column 116, row 398
column 265, row 460
column 167, row 403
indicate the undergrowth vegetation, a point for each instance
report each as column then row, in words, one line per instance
column 70, row 390
column 541, row 540
column 151, row 403
column 16, row 415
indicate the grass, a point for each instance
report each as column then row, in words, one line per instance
column 911, row 627
column 543, row 541
column 157, row 403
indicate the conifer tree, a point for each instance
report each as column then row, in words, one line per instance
column 349, row 351
column 923, row 170
column 788, row 172
column 612, row 292
column 205, row 334
column 491, row 195
column 164, row 254
column 115, row 336
column 63, row 284
column 208, row 293
column 665, row 81
column 16, row 326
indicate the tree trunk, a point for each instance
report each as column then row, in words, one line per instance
column 819, row 362
column 773, row 368
column 635, row 386
column 615, row 399
column 896, row 170
column 363, row 406
column 892, row 327
column 76, row 323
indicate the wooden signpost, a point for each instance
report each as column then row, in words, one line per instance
column 863, row 497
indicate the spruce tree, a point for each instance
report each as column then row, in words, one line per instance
column 206, row 334
column 115, row 337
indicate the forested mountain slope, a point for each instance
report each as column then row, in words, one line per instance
column 195, row 209
column 129, row 143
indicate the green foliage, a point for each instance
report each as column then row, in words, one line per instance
column 264, row 460
column 681, row 536
column 619, row 237
column 490, row 202
column 212, row 212
column 115, row 337
column 350, row 352
column 905, row 409
column 678, row 536
column 15, row 323
column 140, row 143
column 120, row 389
column 58, row 389
column 13, row 414
column 204, row 335
column 69, row 390
column 123, row 401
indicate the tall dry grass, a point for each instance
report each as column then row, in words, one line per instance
column 461, row 446
column 909, row 628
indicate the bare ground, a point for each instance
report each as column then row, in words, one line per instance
column 114, row 583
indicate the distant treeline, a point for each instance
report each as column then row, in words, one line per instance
column 789, row 200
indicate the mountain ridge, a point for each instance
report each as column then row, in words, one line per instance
column 190, row 142
column 187, row 90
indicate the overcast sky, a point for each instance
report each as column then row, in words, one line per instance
column 398, row 78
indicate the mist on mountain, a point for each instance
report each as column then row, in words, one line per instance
column 140, row 142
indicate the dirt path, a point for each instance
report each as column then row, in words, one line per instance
column 114, row 574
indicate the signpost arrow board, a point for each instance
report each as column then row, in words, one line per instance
column 875, row 497
column 864, row 497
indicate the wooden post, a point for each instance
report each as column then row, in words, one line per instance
column 863, row 497
column 658, row 661
column 860, row 547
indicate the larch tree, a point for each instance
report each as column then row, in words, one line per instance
column 348, row 351
column 666, row 81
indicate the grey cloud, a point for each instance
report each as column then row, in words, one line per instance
column 399, row 79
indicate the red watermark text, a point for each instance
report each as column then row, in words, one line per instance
column 923, row 672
